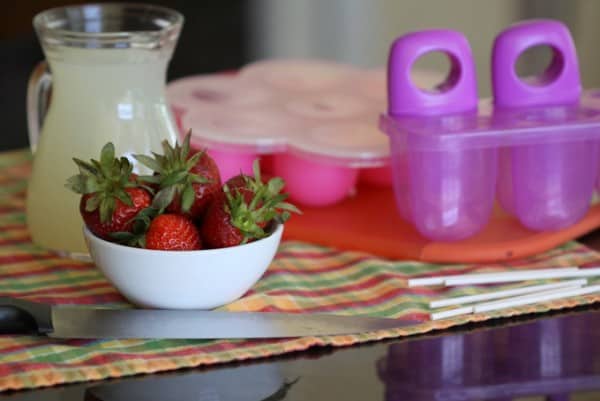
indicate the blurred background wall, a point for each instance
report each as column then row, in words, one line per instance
column 360, row 32
column 226, row 34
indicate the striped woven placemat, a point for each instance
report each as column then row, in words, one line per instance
column 303, row 278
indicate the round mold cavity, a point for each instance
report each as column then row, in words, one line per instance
column 313, row 183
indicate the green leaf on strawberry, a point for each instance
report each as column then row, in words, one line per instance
column 245, row 210
column 111, row 196
column 186, row 182
column 106, row 180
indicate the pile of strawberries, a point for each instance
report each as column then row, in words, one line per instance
column 182, row 206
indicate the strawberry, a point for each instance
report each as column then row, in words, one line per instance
column 217, row 231
column 187, row 182
column 244, row 210
column 173, row 232
column 241, row 184
column 111, row 196
column 121, row 219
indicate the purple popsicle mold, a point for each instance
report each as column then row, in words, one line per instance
column 546, row 185
column 448, row 195
column 542, row 133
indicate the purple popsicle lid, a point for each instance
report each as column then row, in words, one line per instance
column 457, row 94
column 559, row 84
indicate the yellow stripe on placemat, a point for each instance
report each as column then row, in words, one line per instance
column 303, row 278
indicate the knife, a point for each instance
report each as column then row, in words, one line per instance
column 19, row 316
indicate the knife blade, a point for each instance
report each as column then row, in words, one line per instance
column 25, row 317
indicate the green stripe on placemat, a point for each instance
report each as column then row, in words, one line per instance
column 303, row 278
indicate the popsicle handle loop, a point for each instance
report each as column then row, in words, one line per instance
column 559, row 84
column 456, row 95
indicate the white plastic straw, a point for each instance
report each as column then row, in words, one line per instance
column 504, row 293
column 427, row 281
column 521, row 276
column 465, row 310
column 535, row 298
column 564, row 292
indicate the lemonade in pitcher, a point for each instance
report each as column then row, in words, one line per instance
column 108, row 67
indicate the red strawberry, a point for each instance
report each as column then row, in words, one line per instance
column 173, row 232
column 241, row 184
column 121, row 219
column 217, row 230
column 111, row 197
column 245, row 208
column 187, row 182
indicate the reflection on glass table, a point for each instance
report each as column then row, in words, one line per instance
column 550, row 358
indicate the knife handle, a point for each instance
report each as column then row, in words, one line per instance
column 18, row 316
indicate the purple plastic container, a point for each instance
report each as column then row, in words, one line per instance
column 546, row 185
column 541, row 138
column 447, row 193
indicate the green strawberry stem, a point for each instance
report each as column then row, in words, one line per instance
column 173, row 173
column 267, row 204
column 106, row 180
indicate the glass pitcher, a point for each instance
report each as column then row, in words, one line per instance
column 108, row 67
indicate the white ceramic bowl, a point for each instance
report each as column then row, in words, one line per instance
column 201, row 279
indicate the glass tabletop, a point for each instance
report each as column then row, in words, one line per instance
column 551, row 358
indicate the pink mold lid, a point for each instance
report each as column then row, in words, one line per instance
column 321, row 110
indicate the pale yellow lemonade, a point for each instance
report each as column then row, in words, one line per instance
column 98, row 95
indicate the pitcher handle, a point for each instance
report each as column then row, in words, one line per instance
column 38, row 97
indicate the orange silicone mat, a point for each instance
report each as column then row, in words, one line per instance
column 369, row 222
